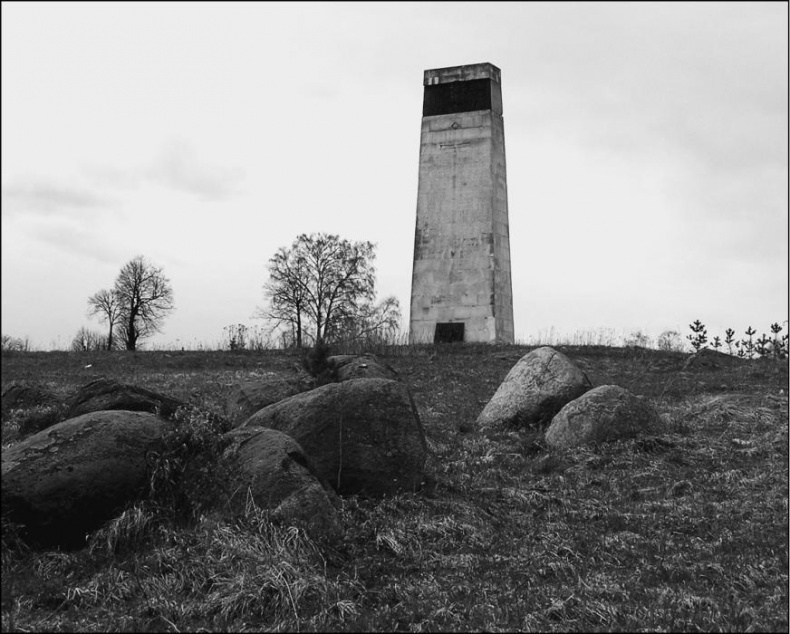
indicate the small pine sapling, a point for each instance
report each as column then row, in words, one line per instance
column 777, row 342
column 748, row 344
column 729, row 338
column 716, row 344
column 700, row 337
column 763, row 345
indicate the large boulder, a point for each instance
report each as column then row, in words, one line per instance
column 269, row 468
column 72, row 477
column 22, row 395
column 41, row 407
column 362, row 435
column 534, row 390
column 366, row 366
column 247, row 398
column 106, row 394
column 604, row 414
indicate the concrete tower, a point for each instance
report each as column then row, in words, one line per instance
column 461, row 288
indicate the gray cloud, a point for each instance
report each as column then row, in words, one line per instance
column 179, row 167
column 701, row 80
column 695, row 89
column 76, row 239
column 47, row 198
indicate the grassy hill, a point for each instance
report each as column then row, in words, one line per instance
column 680, row 532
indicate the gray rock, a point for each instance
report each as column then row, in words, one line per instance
column 269, row 468
column 247, row 398
column 711, row 360
column 19, row 395
column 40, row 407
column 535, row 389
column 367, row 366
column 72, row 477
column 106, row 394
column 362, row 435
column 603, row 414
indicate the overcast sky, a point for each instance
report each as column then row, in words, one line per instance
column 647, row 154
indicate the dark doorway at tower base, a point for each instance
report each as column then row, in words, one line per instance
column 449, row 333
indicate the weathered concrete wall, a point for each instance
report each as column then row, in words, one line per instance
column 462, row 247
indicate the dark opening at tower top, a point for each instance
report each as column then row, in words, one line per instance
column 457, row 96
column 458, row 89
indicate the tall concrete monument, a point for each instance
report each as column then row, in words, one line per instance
column 461, row 288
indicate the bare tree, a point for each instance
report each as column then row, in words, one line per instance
column 378, row 321
column 145, row 298
column 320, row 283
column 286, row 294
column 107, row 305
column 15, row 344
column 88, row 340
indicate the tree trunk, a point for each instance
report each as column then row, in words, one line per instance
column 298, row 329
column 131, row 333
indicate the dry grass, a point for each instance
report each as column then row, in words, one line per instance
column 686, row 531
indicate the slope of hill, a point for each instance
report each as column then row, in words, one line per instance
column 683, row 531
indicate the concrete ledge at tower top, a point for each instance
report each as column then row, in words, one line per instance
column 483, row 70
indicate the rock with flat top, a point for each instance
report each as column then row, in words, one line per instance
column 247, row 398
column 106, row 394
